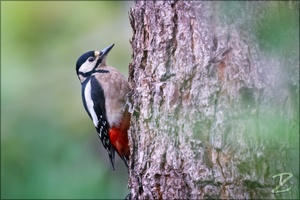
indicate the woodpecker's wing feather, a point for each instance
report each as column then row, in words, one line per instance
column 115, row 88
column 102, row 127
column 98, row 99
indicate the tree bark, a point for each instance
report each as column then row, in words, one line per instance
column 215, row 117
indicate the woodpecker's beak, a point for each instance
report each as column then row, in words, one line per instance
column 105, row 51
column 101, row 55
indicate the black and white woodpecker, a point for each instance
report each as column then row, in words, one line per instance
column 104, row 92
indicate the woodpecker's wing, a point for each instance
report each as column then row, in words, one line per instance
column 102, row 131
column 94, row 103
column 102, row 127
column 114, row 88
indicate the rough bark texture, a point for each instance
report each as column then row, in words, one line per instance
column 208, row 107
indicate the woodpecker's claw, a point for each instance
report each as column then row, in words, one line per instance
column 129, row 102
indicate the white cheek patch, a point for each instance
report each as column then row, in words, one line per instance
column 90, row 103
column 87, row 66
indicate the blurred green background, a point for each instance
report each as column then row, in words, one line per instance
column 49, row 147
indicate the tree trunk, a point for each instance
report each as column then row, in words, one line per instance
column 215, row 117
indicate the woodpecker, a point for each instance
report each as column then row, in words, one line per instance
column 104, row 92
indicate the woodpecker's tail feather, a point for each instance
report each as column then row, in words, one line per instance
column 111, row 155
column 125, row 161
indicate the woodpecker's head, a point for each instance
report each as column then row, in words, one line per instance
column 88, row 62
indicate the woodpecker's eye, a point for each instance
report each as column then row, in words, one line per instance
column 91, row 59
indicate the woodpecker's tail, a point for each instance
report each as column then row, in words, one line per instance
column 111, row 155
column 125, row 161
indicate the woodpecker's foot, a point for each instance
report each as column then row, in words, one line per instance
column 129, row 102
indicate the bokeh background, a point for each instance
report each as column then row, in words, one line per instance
column 49, row 147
